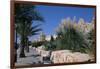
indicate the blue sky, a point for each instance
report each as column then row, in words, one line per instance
column 54, row 14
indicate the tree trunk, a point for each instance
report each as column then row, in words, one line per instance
column 27, row 47
column 22, row 53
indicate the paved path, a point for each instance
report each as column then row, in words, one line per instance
column 31, row 58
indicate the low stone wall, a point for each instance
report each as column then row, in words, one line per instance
column 65, row 56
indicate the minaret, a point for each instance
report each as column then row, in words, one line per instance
column 42, row 36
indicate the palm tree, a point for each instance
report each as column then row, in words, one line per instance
column 24, row 16
column 30, row 31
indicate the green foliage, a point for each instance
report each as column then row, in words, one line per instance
column 27, row 12
column 37, row 44
column 50, row 45
column 71, row 39
column 24, row 16
column 91, row 42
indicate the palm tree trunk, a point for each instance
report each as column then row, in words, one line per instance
column 27, row 47
column 22, row 53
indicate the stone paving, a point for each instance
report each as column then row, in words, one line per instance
column 31, row 58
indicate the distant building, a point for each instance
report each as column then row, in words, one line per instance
column 48, row 37
column 43, row 37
